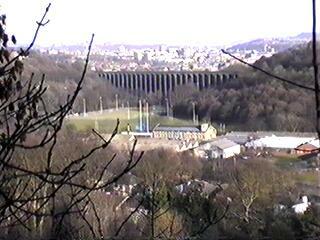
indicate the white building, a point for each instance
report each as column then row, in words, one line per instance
column 220, row 148
column 277, row 142
column 300, row 208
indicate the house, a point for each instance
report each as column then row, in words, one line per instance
column 203, row 187
column 300, row 208
column 220, row 148
column 306, row 148
column 185, row 133
column 124, row 186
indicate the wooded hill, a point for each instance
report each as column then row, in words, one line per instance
column 258, row 102
column 62, row 74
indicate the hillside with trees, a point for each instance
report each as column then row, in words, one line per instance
column 258, row 102
column 62, row 74
column 254, row 101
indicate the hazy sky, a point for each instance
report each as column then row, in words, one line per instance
column 184, row 22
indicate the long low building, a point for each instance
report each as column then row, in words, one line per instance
column 185, row 133
column 277, row 142
column 244, row 137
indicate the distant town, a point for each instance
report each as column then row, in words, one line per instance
column 172, row 58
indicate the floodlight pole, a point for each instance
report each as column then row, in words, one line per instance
column 194, row 112
column 117, row 103
column 101, row 106
column 147, row 116
column 128, row 105
column 84, row 107
column 140, row 115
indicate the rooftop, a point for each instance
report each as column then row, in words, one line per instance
column 260, row 134
column 224, row 143
column 178, row 128
column 221, row 143
column 306, row 146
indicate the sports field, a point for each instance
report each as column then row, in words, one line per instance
column 105, row 122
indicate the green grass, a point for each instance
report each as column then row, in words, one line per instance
column 106, row 121
column 286, row 161
column 307, row 178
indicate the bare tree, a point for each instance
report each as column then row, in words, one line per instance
column 48, row 189
column 165, row 213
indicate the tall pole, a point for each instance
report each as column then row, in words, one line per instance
column 96, row 123
column 128, row 105
column 194, row 112
column 316, row 73
column 84, row 107
column 167, row 107
column 101, row 107
column 147, row 116
column 117, row 103
column 140, row 115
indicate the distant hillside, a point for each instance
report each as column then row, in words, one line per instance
column 303, row 36
column 298, row 58
column 279, row 44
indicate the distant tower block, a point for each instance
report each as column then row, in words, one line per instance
column 165, row 82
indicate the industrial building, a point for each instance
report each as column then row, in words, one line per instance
column 202, row 132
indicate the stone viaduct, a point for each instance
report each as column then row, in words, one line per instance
column 165, row 81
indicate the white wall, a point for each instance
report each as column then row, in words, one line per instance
column 216, row 153
column 278, row 142
column 231, row 151
column 226, row 153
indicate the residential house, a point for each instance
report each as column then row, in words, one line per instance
column 203, row 187
column 300, row 208
column 306, row 148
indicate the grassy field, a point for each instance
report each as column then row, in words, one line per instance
column 286, row 161
column 311, row 177
column 295, row 165
column 106, row 121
